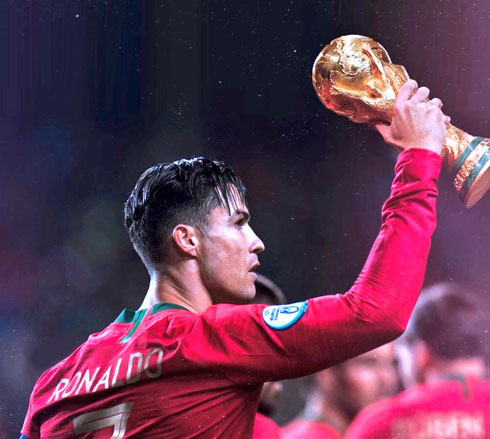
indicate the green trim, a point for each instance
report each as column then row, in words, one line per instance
column 163, row 306
column 464, row 155
column 127, row 316
column 474, row 173
column 462, row 380
column 138, row 317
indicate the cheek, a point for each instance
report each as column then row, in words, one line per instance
column 224, row 257
column 363, row 381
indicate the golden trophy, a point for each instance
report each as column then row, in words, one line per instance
column 354, row 77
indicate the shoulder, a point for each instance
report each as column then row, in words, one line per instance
column 379, row 418
column 376, row 419
column 265, row 428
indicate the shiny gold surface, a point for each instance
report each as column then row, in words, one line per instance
column 354, row 77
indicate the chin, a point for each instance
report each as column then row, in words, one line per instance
column 246, row 294
column 237, row 297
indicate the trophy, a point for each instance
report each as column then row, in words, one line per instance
column 354, row 77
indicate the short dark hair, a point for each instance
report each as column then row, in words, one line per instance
column 180, row 192
column 451, row 319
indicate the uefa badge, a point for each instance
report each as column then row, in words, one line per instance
column 283, row 316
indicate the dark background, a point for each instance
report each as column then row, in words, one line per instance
column 93, row 92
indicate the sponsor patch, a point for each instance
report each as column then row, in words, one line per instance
column 283, row 316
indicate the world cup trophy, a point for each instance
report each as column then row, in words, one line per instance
column 354, row 77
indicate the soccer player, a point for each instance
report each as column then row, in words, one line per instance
column 443, row 354
column 192, row 360
column 335, row 396
column 268, row 293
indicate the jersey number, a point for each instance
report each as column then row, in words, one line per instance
column 116, row 416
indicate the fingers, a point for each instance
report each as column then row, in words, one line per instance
column 436, row 101
column 382, row 128
column 420, row 95
column 447, row 119
column 407, row 90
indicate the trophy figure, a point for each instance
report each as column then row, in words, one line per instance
column 354, row 77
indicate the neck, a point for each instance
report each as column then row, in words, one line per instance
column 320, row 408
column 468, row 367
column 180, row 285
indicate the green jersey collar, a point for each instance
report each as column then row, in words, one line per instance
column 129, row 316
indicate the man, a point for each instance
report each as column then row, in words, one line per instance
column 334, row 396
column 268, row 293
column 189, row 362
column 443, row 357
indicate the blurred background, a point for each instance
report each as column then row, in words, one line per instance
column 93, row 92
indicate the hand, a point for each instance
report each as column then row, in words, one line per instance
column 416, row 122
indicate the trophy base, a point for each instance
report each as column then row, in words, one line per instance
column 471, row 173
column 479, row 186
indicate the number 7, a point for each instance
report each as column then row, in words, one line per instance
column 116, row 416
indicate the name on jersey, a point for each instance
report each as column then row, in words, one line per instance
column 126, row 370
column 442, row 425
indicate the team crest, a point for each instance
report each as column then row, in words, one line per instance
column 283, row 316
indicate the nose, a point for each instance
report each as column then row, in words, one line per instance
column 388, row 380
column 257, row 246
column 278, row 387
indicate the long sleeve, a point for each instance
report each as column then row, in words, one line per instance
column 238, row 341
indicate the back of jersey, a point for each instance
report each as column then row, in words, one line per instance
column 114, row 385
column 455, row 408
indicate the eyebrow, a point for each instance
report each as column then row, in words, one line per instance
column 242, row 213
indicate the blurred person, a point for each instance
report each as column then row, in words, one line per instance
column 192, row 360
column 268, row 293
column 334, row 396
column 443, row 362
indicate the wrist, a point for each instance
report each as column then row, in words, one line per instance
column 429, row 146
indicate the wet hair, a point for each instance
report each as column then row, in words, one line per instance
column 180, row 192
column 452, row 320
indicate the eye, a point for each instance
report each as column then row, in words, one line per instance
column 241, row 222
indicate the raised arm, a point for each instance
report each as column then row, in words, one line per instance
column 249, row 347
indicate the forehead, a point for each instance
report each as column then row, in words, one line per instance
column 231, row 205
column 232, row 200
column 383, row 353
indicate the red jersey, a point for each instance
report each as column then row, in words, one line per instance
column 165, row 372
column 265, row 428
column 456, row 409
column 309, row 430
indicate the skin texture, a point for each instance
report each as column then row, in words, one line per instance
column 226, row 255
column 416, row 122
column 209, row 267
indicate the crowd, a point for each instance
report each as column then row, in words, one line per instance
column 431, row 383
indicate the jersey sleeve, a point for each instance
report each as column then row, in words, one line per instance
column 240, row 342
column 29, row 429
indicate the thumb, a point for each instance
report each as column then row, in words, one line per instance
column 382, row 128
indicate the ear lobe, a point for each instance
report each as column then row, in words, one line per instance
column 185, row 239
column 424, row 357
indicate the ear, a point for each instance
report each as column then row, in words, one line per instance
column 186, row 239
column 327, row 379
column 424, row 359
